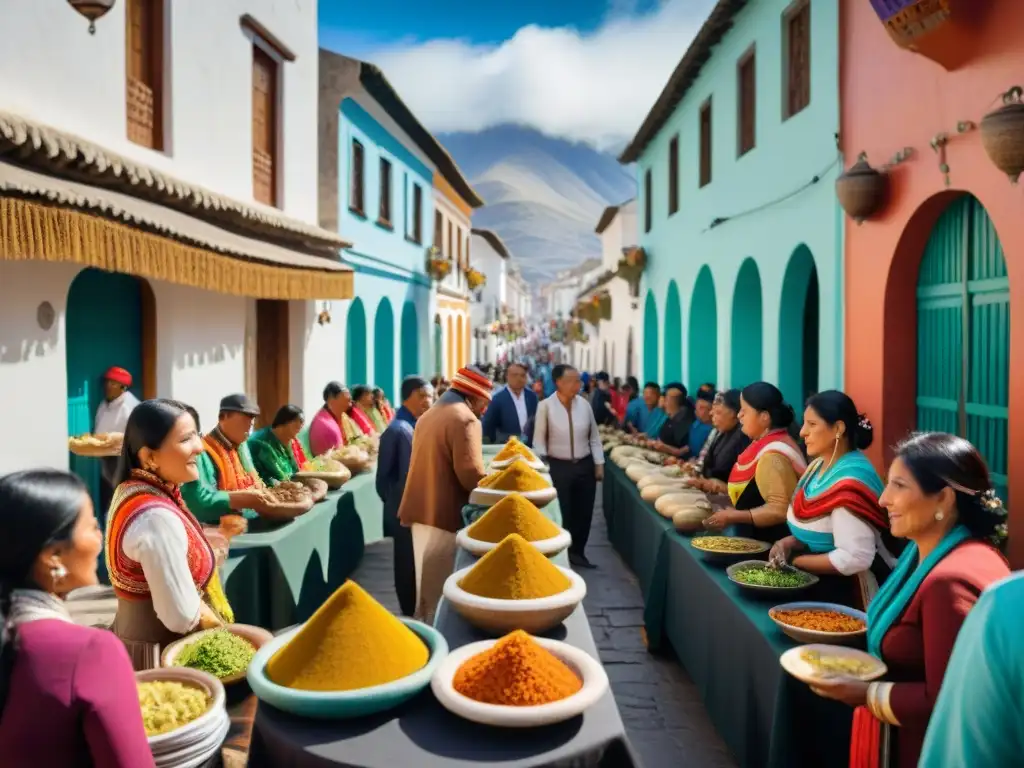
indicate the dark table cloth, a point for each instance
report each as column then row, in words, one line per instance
column 422, row 734
column 727, row 643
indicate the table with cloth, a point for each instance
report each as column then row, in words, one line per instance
column 725, row 640
column 422, row 734
column 278, row 574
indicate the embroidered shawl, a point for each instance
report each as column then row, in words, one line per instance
column 231, row 475
column 851, row 483
column 776, row 441
column 298, row 453
column 362, row 421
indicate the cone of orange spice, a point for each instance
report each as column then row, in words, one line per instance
column 516, row 672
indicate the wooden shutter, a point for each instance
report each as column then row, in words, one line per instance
column 647, row 201
column 439, row 231
column 673, row 176
column 144, row 72
column 356, row 181
column 417, row 213
column 384, row 214
column 747, row 104
column 798, row 93
column 264, row 127
column 705, row 143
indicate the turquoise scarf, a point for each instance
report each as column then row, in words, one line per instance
column 899, row 589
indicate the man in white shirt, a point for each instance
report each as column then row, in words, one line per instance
column 566, row 435
column 112, row 418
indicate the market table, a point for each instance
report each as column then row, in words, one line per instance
column 278, row 574
column 422, row 734
column 728, row 645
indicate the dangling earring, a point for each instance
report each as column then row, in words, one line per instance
column 940, row 515
column 57, row 574
column 835, row 447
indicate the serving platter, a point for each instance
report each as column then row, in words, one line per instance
column 805, row 635
column 794, row 663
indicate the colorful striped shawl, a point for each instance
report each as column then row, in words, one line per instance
column 361, row 420
column 231, row 475
column 745, row 468
column 851, row 483
column 144, row 491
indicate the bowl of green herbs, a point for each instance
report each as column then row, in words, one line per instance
column 759, row 577
column 224, row 652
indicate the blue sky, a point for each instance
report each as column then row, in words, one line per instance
column 583, row 70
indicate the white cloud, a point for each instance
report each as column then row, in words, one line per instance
column 595, row 87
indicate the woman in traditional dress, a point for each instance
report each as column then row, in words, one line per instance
column 764, row 477
column 723, row 446
column 837, row 526
column 940, row 497
column 332, row 427
column 276, row 451
column 161, row 565
column 383, row 407
column 67, row 693
column 362, row 411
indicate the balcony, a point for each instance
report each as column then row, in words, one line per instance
column 944, row 31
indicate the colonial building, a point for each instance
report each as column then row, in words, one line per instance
column 492, row 259
column 158, row 213
column 736, row 163
column 932, row 272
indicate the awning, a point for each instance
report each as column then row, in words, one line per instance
column 45, row 218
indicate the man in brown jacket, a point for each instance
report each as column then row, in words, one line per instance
column 447, row 464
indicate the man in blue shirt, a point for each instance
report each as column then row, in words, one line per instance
column 392, row 470
column 701, row 427
column 643, row 415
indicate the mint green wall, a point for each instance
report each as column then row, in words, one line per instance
column 775, row 203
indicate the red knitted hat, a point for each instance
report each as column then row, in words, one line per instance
column 470, row 382
column 119, row 375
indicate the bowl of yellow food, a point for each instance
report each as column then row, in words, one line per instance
column 819, row 663
column 517, row 477
column 183, row 712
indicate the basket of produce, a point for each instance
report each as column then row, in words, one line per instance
column 316, row 485
column 817, row 663
column 517, row 477
column 352, row 658
column 515, row 450
column 514, row 587
column 513, row 514
column 519, row 681
column 820, row 622
column 758, row 577
column 331, row 471
column 286, row 500
column 183, row 712
column 224, row 652
column 719, row 548
column 354, row 458
column 97, row 446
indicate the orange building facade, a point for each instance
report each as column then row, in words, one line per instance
column 931, row 342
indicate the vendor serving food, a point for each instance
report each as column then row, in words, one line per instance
column 837, row 526
column 161, row 565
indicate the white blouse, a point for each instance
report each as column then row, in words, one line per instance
column 156, row 539
column 553, row 437
column 856, row 541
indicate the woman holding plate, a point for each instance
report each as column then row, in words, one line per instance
column 837, row 527
column 940, row 497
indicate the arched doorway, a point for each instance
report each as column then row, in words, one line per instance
column 746, row 345
column 630, row 369
column 438, row 346
column 110, row 320
column 410, row 336
column 384, row 349
column 355, row 344
column 799, row 314
column 963, row 334
column 450, row 343
column 703, row 331
column 673, row 334
column 650, row 339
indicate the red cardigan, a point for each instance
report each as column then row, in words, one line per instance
column 918, row 647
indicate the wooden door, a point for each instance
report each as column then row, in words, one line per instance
column 273, row 359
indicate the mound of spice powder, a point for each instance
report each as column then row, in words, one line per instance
column 513, row 514
column 516, row 672
column 351, row 642
column 517, row 476
column 515, row 570
column 221, row 653
column 514, row 447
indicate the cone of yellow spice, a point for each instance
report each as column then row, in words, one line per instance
column 514, row 570
column 517, row 476
column 513, row 514
column 514, row 447
column 518, row 672
column 351, row 642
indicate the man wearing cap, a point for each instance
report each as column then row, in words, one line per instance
column 446, row 465
column 112, row 418
column 228, row 482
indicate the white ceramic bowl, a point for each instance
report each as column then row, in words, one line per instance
column 548, row 547
column 197, row 754
column 203, row 726
column 535, row 616
column 792, row 661
column 802, row 635
column 488, row 497
column 595, row 684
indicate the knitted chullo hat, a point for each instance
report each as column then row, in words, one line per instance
column 473, row 383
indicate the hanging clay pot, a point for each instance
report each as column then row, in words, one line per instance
column 1002, row 134
column 862, row 190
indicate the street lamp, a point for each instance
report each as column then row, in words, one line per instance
column 92, row 10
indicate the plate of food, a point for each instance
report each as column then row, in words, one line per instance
column 224, row 652
column 810, row 622
column 331, row 471
column 728, row 547
column 100, row 445
column 819, row 663
column 759, row 577
column 287, row 500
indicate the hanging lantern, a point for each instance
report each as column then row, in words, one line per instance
column 1002, row 134
column 862, row 190
column 92, row 10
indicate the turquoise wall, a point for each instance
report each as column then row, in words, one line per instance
column 773, row 205
column 387, row 337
